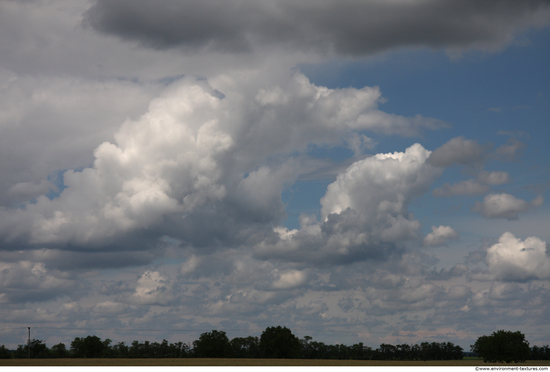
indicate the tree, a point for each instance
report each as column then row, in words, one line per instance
column 120, row 350
column 4, row 353
column 540, row 353
column 89, row 347
column 245, row 347
column 387, row 351
column 279, row 342
column 59, row 351
column 38, row 350
column 502, row 346
column 213, row 344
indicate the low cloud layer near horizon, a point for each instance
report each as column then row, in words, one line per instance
column 173, row 167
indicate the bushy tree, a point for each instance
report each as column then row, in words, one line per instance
column 4, row 353
column 59, row 351
column 502, row 346
column 245, row 347
column 38, row 349
column 279, row 342
column 540, row 353
column 213, row 344
column 89, row 347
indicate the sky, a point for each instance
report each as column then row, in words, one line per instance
column 356, row 171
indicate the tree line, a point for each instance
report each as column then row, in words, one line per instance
column 507, row 346
column 274, row 342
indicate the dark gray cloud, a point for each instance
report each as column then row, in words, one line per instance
column 345, row 27
column 26, row 281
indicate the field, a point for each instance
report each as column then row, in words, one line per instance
column 252, row 362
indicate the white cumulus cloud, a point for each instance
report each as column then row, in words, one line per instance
column 440, row 235
column 381, row 184
column 290, row 279
column 364, row 211
column 514, row 259
column 152, row 288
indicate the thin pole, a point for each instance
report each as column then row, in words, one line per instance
column 29, row 344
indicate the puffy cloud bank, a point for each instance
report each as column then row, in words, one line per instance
column 198, row 148
column 516, row 260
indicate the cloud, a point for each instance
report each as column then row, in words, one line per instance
column 364, row 212
column 458, row 292
column 510, row 150
column 67, row 261
column 493, row 178
column 333, row 26
column 516, row 260
column 468, row 187
column 115, row 288
column 51, row 124
column 113, row 309
column 440, row 235
column 153, row 289
column 290, row 279
column 366, row 186
column 505, row 206
column 458, row 151
column 28, row 190
column 196, row 149
column 27, row 281
column 473, row 187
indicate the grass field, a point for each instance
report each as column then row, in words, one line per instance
column 252, row 362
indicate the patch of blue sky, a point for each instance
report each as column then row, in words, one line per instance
column 57, row 179
column 303, row 197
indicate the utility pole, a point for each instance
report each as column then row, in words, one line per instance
column 29, row 344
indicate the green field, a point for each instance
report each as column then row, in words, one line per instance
column 252, row 362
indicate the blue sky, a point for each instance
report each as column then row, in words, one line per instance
column 355, row 171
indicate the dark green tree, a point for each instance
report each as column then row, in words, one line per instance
column 120, row 350
column 279, row 342
column 502, row 346
column 59, row 351
column 387, row 351
column 245, row 347
column 89, row 347
column 38, row 350
column 307, row 349
column 5, row 353
column 213, row 344
column 316, row 350
column 540, row 353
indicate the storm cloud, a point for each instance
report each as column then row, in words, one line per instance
column 343, row 27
